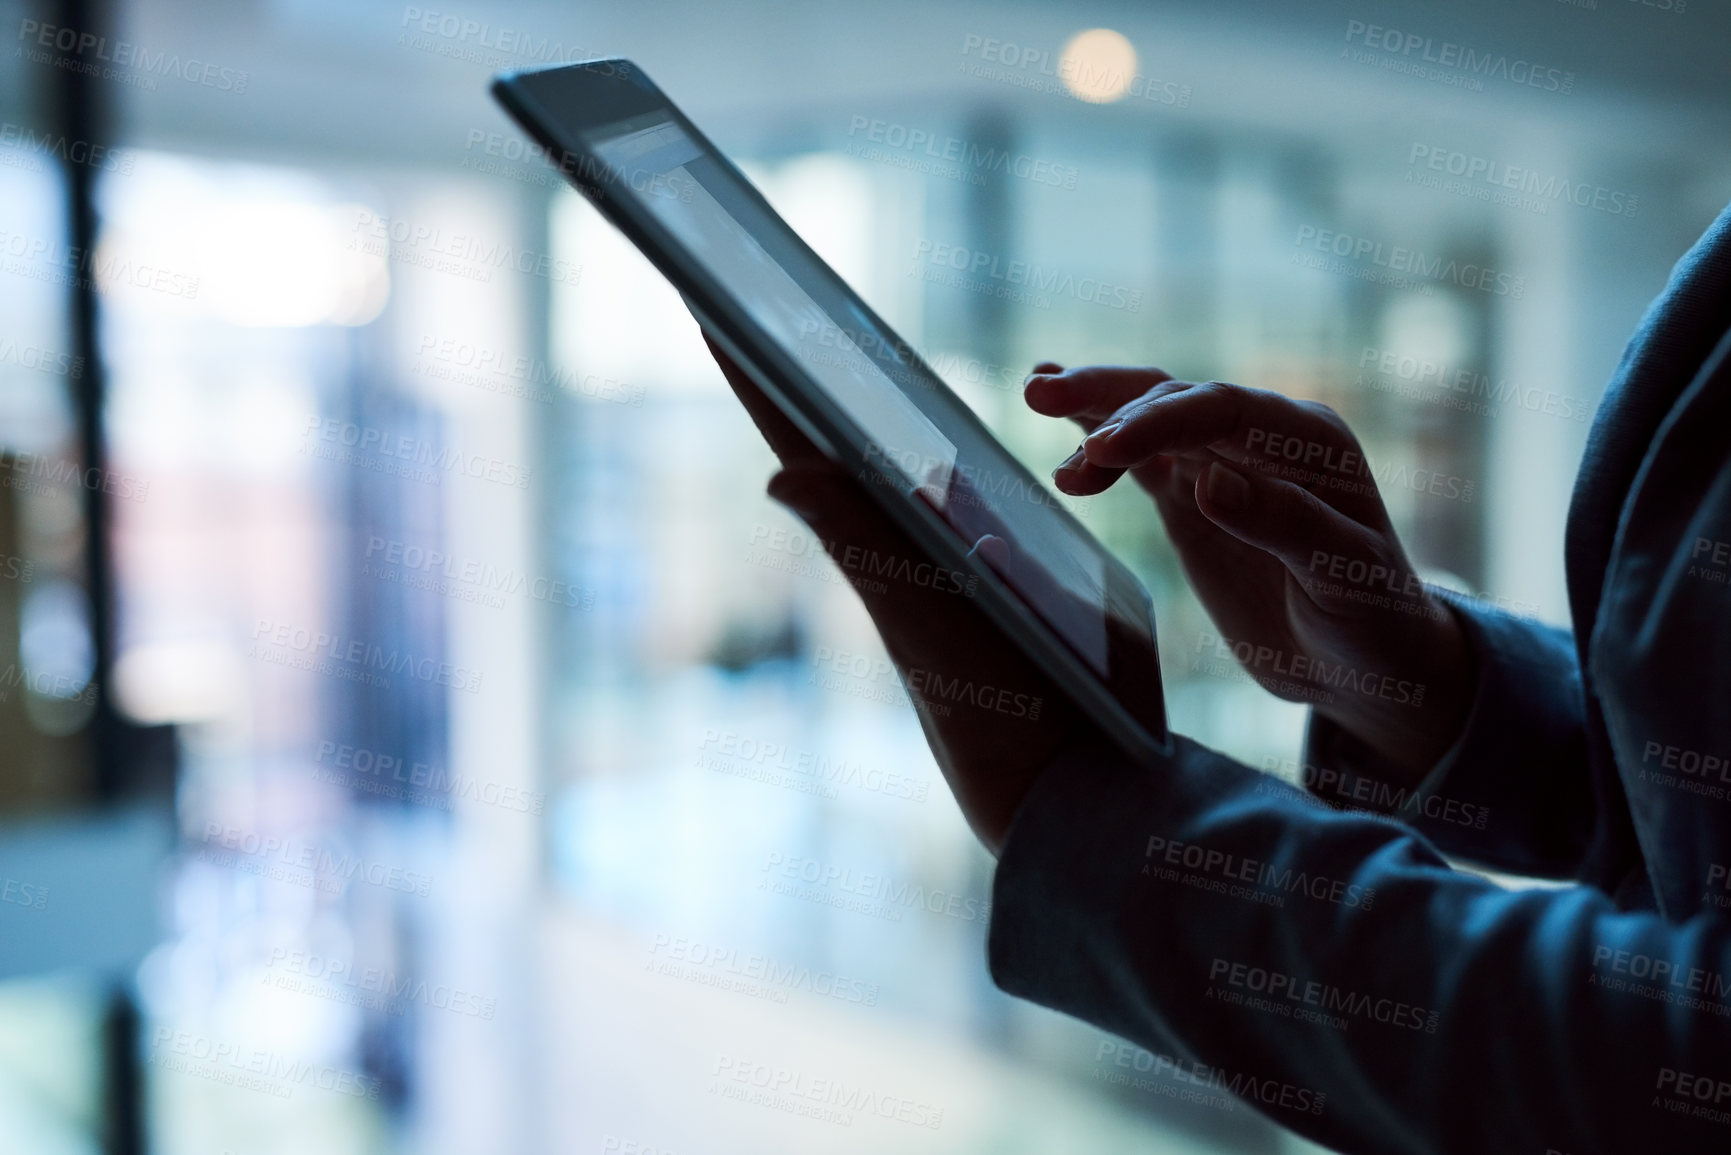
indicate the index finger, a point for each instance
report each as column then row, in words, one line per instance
column 1092, row 393
column 1299, row 441
column 1186, row 417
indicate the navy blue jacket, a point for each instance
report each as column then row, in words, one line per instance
column 1331, row 967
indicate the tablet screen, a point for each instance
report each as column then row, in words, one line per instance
column 914, row 429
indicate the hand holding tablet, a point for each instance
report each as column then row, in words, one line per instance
column 988, row 757
column 856, row 394
column 1274, row 511
column 877, row 447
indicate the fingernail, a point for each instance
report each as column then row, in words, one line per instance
column 991, row 549
column 1071, row 462
column 1227, row 489
column 1105, row 431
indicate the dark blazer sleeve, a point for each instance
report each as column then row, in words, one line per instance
column 1514, row 792
column 1331, row 968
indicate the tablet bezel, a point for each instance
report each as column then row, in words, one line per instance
column 605, row 92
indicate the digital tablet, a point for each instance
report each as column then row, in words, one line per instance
column 860, row 392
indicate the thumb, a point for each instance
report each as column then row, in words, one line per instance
column 923, row 627
column 1308, row 536
column 829, row 501
column 816, row 491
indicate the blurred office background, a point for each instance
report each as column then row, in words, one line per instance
column 408, row 732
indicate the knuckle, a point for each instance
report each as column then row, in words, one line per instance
column 1132, row 412
column 1233, row 397
column 1329, row 417
column 1302, row 506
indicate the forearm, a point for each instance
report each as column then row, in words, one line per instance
column 1513, row 791
column 1207, row 908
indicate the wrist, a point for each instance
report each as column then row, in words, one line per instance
column 1417, row 723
